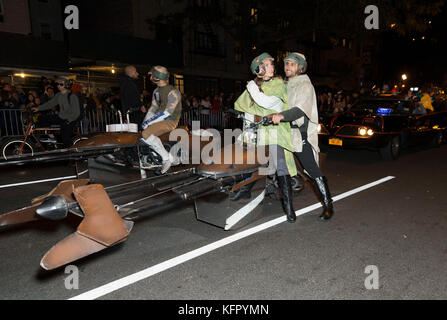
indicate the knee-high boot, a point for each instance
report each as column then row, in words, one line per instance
column 325, row 195
column 286, row 189
column 156, row 144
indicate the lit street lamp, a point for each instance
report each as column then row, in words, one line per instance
column 404, row 77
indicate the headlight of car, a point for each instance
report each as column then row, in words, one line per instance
column 366, row 131
column 362, row 131
column 322, row 129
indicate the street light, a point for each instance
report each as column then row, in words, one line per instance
column 404, row 77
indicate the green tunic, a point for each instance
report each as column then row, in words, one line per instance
column 274, row 134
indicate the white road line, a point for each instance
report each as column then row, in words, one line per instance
column 144, row 274
column 35, row 182
column 240, row 214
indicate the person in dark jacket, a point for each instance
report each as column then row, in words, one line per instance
column 130, row 96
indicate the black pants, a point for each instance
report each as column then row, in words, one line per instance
column 137, row 117
column 48, row 120
column 307, row 159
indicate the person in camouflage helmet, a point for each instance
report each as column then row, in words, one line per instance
column 264, row 96
column 163, row 116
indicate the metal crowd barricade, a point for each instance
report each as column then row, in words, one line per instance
column 96, row 121
column 11, row 123
column 209, row 119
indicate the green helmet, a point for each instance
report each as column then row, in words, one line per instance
column 299, row 59
column 159, row 73
column 257, row 61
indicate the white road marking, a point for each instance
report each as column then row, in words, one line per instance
column 144, row 274
column 240, row 214
column 35, row 182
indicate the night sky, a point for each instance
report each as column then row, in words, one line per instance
column 423, row 59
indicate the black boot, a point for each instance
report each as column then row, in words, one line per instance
column 325, row 195
column 286, row 188
column 243, row 193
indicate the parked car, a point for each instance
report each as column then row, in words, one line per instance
column 385, row 124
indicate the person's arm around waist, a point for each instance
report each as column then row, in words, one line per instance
column 267, row 102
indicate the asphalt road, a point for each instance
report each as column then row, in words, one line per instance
column 399, row 226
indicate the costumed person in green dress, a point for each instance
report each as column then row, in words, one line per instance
column 267, row 95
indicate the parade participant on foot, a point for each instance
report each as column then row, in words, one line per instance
column 163, row 116
column 303, row 114
column 130, row 95
column 264, row 96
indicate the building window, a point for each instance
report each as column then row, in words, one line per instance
column 1, row 11
column 237, row 19
column 341, row 43
column 237, row 13
column 179, row 82
column 45, row 31
column 237, row 52
column 205, row 41
column 208, row 43
column 203, row 3
column 254, row 15
column 283, row 24
column 282, row 55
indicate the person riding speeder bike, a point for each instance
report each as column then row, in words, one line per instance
column 163, row 115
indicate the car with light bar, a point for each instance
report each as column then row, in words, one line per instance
column 384, row 124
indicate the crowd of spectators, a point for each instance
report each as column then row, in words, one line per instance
column 208, row 104
column 330, row 101
column 101, row 101
column 12, row 97
column 15, row 98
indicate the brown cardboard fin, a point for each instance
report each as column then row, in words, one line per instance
column 102, row 222
column 72, row 248
column 19, row 216
column 64, row 188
